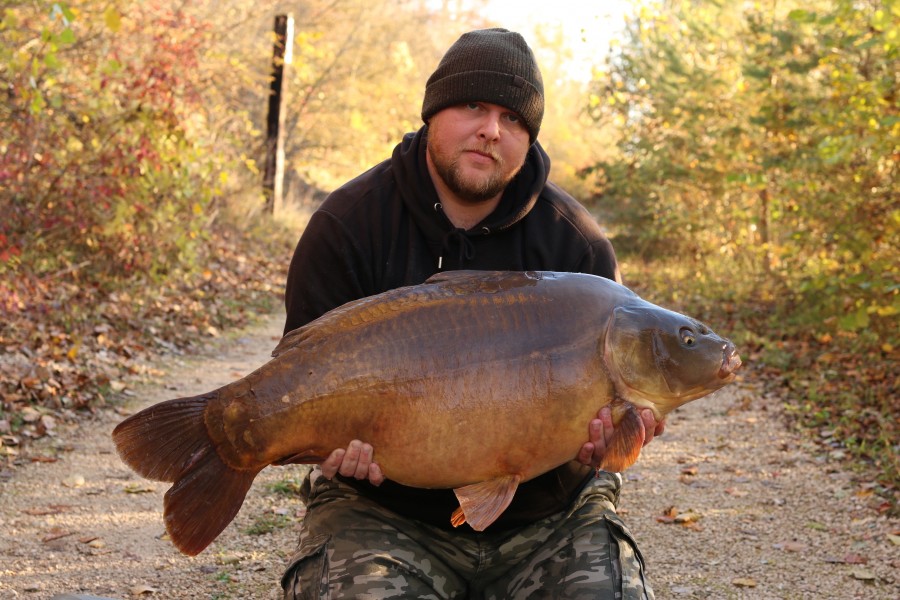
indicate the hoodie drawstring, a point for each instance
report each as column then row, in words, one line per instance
column 466, row 246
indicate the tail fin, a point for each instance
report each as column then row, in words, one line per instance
column 204, row 501
column 627, row 442
column 169, row 442
column 162, row 441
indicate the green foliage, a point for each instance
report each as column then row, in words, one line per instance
column 757, row 167
column 769, row 134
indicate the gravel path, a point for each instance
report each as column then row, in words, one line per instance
column 727, row 504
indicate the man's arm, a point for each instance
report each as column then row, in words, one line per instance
column 326, row 271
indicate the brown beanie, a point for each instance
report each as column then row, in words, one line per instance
column 490, row 65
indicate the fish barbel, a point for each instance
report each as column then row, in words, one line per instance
column 443, row 379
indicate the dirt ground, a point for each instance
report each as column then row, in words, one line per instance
column 727, row 504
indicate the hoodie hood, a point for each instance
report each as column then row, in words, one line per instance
column 420, row 196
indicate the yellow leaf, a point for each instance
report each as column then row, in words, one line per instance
column 356, row 121
column 113, row 19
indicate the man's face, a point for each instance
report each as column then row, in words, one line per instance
column 477, row 149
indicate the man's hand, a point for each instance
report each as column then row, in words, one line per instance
column 356, row 461
column 600, row 434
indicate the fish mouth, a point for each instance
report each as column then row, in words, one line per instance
column 731, row 362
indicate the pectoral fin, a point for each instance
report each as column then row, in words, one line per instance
column 626, row 444
column 480, row 504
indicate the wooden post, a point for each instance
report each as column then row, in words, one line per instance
column 273, row 177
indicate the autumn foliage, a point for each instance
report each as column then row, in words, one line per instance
column 129, row 191
column 105, row 163
column 759, row 154
column 116, row 186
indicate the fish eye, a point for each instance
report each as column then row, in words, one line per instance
column 688, row 338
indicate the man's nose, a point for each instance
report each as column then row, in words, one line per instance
column 489, row 128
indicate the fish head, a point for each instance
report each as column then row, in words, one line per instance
column 661, row 359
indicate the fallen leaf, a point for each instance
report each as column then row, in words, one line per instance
column 138, row 488
column 46, row 424
column 863, row 574
column 688, row 517
column 141, row 590
column 229, row 559
column 56, row 534
column 73, row 481
column 38, row 458
column 790, row 546
column 53, row 509
column 855, row 559
column 665, row 520
column 30, row 415
column 894, row 539
column 744, row 582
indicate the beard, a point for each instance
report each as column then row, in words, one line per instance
column 470, row 189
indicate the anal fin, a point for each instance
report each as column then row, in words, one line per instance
column 626, row 444
column 482, row 503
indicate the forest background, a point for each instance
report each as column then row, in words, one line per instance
column 743, row 156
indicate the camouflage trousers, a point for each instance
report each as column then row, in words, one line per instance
column 351, row 547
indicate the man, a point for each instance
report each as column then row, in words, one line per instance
column 469, row 190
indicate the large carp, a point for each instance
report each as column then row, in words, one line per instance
column 444, row 379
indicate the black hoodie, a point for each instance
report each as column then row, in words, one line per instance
column 385, row 229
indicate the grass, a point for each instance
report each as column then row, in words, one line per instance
column 267, row 523
column 289, row 486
